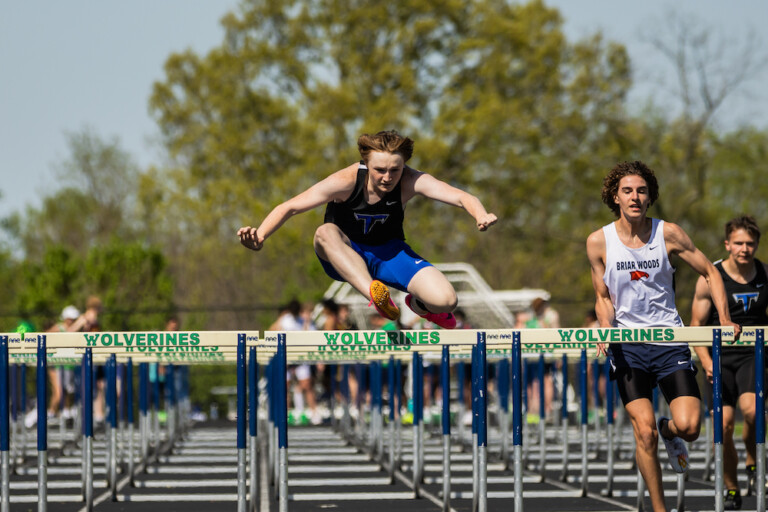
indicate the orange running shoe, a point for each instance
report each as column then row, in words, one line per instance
column 444, row 320
column 382, row 302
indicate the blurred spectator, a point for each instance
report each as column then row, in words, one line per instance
column 288, row 318
column 295, row 317
column 89, row 322
column 62, row 382
column 345, row 318
column 540, row 316
column 461, row 319
column 590, row 320
column 545, row 316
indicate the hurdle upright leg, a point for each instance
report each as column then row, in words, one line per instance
column 283, row 431
column 399, row 424
column 460, row 376
column 391, row 388
column 42, row 425
column 475, row 421
column 253, row 416
column 128, row 391
column 88, row 425
column 13, row 403
column 144, row 412
column 445, row 381
column 112, row 406
column 242, row 505
column 760, row 418
column 5, row 467
column 584, row 424
column 542, row 422
column 482, row 430
column 717, row 414
column 418, row 388
column 518, row 383
column 23, row 405
column 564, row 417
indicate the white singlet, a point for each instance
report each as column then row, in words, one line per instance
column 640, row 281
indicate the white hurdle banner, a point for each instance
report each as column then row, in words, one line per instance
column 227, row 347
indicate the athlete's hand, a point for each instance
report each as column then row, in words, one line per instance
column 736, row 330
column 250, row 238
column 601, row 349
column 707, row 365
column 486, row 221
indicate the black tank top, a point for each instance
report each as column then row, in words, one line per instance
column 748, row 302
column 369, row 224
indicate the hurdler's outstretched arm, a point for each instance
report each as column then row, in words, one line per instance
column 336, row 186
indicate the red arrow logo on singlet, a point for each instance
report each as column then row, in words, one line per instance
column 637, row 275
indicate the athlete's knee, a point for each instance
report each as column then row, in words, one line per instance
column 748, row 411
column 325, row 235
column 728, row 429
column 647, row 438
column 443, row 303
column 688, row 429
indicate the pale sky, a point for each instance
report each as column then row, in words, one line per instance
column 69, row 65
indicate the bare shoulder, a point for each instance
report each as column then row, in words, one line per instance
column 410, row 175
column 413, row 182
column 676, row 238
column 674, row 233
column 596, row 240
column 341, row 183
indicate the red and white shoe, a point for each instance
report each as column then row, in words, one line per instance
column 444, row 320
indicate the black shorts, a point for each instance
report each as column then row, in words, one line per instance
column 634, row 383
column 737, row 373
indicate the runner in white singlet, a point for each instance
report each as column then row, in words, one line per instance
column 632, row 278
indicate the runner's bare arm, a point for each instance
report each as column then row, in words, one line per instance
column 603, row 303
column 702, row 305
column 678, row 242
column 417, row 182
column 335, row 187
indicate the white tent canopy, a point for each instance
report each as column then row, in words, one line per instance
column 484, row 307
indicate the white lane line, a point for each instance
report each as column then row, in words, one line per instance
column 351, row 496
column 171, row 484
column 322, row 482
column 342, row 468
column 177, row 498
column 191, row 470
column 56, row 484
column 52, row 498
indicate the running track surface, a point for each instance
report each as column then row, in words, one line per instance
column 328, row 472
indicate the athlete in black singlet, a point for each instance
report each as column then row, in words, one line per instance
column 362, row 240
column 745, row 280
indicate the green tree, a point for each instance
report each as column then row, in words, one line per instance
column 133, row 282
column 497, row 99
column 96, row 203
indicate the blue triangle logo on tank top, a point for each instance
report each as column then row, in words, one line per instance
column 369, row 220
column 746, row 299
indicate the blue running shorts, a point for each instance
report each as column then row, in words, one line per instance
column 393, row 263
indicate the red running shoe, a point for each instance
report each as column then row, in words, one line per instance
column 444, row 320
